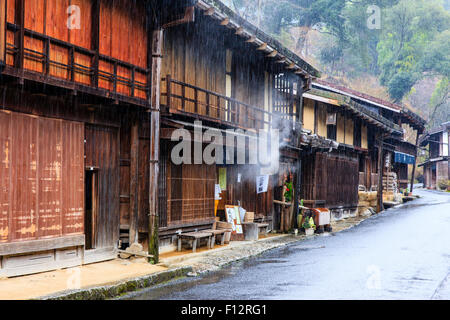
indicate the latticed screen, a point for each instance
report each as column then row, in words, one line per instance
column 191, row 194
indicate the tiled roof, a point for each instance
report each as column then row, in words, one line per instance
column 359, row 110
column 263, row 41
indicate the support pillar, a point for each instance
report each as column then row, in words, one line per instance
column 134, row 183
column 153, row 240
column 415, row 162
column 380, row 206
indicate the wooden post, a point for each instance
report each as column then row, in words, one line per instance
column 3, row 12
column 134, row 183
column 153, row 236
column 95, row 40
column 299, row 124
column 380, row 206
column 415, row 161
column 20, row 34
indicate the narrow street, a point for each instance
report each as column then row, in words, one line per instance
column 402, row 254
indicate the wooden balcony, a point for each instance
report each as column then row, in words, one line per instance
column 191, row 101
column 37, row 57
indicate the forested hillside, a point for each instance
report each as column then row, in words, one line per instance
column 395, row 49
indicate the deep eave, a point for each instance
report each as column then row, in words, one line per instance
column 262, row 41
column 412, row 118
column 347, row 103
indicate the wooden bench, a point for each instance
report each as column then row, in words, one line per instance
column 215, row 235
column 194, row 238
column 263, row 228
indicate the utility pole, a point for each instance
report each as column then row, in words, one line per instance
column 380, row 206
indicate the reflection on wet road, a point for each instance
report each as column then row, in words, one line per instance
column 402, row 254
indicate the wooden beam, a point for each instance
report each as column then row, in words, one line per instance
column 415, row 162
column 251, row 40
column 95, row 40
column 273, row 54
column 380, row 206
column 134, row 182
column 239, row 31
column 225, row 22
column 189, row 16
column 20, row 34
column 153, row 240
column 41, row 245
column 291, row 66
column 262, row 47
column 209, row 12
column 3, row 13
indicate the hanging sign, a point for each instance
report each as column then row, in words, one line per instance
column 223, row 178
column 217, row 192
column 262, row 184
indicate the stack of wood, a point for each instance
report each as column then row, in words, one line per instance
column 366, row 200
column 390, row 185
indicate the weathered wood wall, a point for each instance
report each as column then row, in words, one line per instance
column 196, row 54
column 331, row 177
column 245, row 190
column 122, row 35
column 42, row 177
column 102, row 153
column 190, row 193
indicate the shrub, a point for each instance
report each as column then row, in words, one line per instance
column 443, row 184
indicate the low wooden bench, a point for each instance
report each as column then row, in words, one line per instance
column 215, row 235
column 263, row 228
column 194, row 237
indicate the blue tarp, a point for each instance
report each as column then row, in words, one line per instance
column 401, row 157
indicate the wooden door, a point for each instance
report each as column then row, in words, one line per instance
column 102, row 156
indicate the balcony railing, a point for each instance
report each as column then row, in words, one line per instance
column 183, row 98
column 69, row 62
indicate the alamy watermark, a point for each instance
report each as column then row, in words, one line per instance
column 74, row 19
column 213, row 146
column 374, row 280
column 374, row 19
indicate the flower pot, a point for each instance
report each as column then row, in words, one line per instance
column 309, row 232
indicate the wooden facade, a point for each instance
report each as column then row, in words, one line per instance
column 77, row 148
column 437, row 165
column 332, row 176
column 90, row 100
column 71, row 90
column 209, row 73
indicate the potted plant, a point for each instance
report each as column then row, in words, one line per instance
column 309, row 226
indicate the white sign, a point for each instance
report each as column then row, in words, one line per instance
column 217, row 192
column 445, row 144
column 262, row 184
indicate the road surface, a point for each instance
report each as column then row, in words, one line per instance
column 402, row 254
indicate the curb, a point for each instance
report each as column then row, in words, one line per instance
column 132, row 285
column 180, row 259
column 121, row 288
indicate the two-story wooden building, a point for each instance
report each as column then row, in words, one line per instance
column 398, row 152
column 221, row 70
column 332, row 175
column 74, row 82
column 437, row 166
column 92, row 91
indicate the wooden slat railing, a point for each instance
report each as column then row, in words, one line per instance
column 187, row 98
column 93, row 70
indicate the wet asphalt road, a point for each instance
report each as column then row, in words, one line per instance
column 402, row 254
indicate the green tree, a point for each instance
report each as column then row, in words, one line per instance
column 411, row 44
